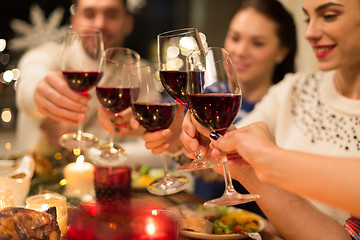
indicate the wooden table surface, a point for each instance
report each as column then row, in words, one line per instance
column 143, row 197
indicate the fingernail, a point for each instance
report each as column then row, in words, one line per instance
column 112, row 120
column 117, row 130
column 214, row 135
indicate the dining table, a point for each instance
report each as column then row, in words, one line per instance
column 139, row 197
column 181, row 198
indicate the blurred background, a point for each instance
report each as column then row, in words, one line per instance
column 26, row 22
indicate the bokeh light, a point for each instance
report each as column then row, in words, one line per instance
column 16, row 74
column 6, row 115
column 173, row 52
column 8, row 76
column 2, row 44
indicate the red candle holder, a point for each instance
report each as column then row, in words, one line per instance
column 96, row 221
column 112, row 183
column 90, row 221
column 157, row 224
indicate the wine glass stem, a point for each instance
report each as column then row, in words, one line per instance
column 229, row 187
column 80, row 131
column 163, row 157
column 198, row 154
column 111, row 141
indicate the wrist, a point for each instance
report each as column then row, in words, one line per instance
column 268, row 166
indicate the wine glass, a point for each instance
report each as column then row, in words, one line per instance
column 154, row 109
column 80, row 61
column 113, row 92
column 214, row 99
column 173, row 47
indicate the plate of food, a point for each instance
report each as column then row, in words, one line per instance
column 219, row 223
column 142, row 176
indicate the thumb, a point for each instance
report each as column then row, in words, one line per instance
column 221, row 142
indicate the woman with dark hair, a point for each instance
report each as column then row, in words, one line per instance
column 317, row 114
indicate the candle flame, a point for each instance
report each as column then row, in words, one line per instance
column 150, row 227
column 80, row 161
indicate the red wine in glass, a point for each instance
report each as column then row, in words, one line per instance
column 174, row 83
column 154, row 116
column 82, row 81
column 155, row 110
column 80, row 62
column 216, row 111
column 214, row 102
column 114, row 91
column 114, row 99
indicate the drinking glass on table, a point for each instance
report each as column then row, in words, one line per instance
column 43, row 202
column 6, row 199
column 214, row 99
column 173, row 47
column 113, row 92
column 80, row 61
column 155, row 110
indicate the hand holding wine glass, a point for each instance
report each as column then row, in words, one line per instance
column 80, row 61
column 155, row 110
column 214, row 99
column 113, row 92
column 173, row 48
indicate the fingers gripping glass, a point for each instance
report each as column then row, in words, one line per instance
column 80, row 61
column 214, row 99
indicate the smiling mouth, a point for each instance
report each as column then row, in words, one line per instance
column 322, row 51
column 240, row 66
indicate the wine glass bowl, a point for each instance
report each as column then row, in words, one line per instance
column 113, row 93
column 214, row 99
column 155, row 110
column 173, row 48
column 80, row 61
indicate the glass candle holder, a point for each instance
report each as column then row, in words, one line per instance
column 6, row 199
column 42, row 202
column 112, row 183
column 156, row 224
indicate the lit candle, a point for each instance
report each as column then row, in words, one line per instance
column 79, row 178
column 152, row 230
column 158, row 226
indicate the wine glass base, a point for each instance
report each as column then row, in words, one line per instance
column 168, row 185
column 198, row 165
column 105, row 155
column 231, row 199
column 73, row 141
